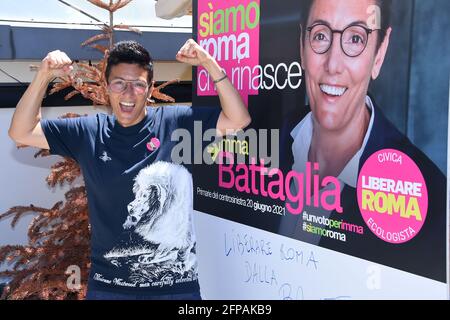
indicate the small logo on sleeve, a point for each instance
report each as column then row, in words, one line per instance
column 104, row 157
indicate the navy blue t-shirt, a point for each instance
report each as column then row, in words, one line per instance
column 140, row 202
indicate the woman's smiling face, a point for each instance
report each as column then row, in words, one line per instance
column 337, row 84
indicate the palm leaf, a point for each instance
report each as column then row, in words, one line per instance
column 119, row 4
column 89, row 68
column 99, row 47
column 60, row 86
column 100, row 4
column 102, row 36
column 71, row 94
column 161, row 96
column 125, row 27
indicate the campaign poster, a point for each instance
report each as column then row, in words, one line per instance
column 347, row 149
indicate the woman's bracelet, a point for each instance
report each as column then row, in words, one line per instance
column 220, row 79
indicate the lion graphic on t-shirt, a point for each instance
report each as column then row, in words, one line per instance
column 159, row 231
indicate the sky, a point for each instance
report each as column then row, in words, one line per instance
column 138, row 12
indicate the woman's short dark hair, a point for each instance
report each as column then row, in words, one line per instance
column 130, row 52
column 385, row 10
